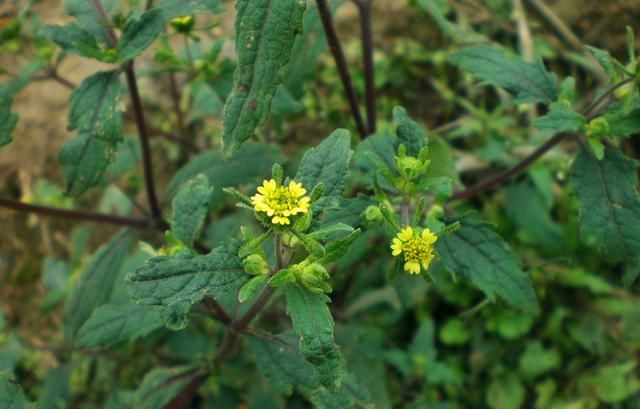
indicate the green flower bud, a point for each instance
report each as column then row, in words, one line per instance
column 255, row 265
column 314, row 276
column 436, row 212
column 598, row 127
column 183, row 24
column 409, row 167
column 290, row 240
column 111, row 55
column 373, row 215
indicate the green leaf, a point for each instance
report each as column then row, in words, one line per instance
column 94, row 113
column 161, row 385
column 313, row 323
column 252, row 287
column 505, row 392
column 560, row 118
column 605, row 60
column 526, row 206
column 281, row 362
column 233, row 172
column 265, row 34
column 537, row 360
column 335, row 249
column 11, row 394
column 177, row 8
column 624, row 123
column 409, row 132
column 609, row 207
column 72, row 38
column 612, row 383
column 95, row 284
column 138, row 34
column 186, row 278
column 349, row 394
column 190, row 208
column 527, row 82
column 55, row 392
column 480, row 255
column 111, row 324
column 8, row 120
column 328, row 163
column 86, row 14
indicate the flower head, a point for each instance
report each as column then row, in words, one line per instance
column 281, row 202
column 417, row 248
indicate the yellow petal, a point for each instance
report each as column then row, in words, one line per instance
column 412, row 267
column 428, row 236
column 396, row 250
column 406, row 234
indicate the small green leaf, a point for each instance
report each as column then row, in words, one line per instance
column 335, row 249
column 537, row 360
column 111, row 324
column 505, row 392
column 328, row 163
column 190, row 208
column 605, row 60
column 11, row 394
column 138, row 34
column 265, row 34
column 480, row 255
column 283, row 277
column 609, row 207
column 409, row 132
column 72, row 38
column 161, row 385
column 624, row 123
column 252, row 287
column 94, row 113
column 186, row 278
column 95, row 284
column 87, row 16
column 281, row 362
column 313, row 323
column 8, row 119
column 527, row 82
column 560, row 118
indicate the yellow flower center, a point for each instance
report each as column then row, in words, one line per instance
column 281, row 202
column 417, row 248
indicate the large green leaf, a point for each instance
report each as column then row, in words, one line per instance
column 73, row 38
column 265, row 34
column 112, row 324
column 94, row 113
column 11, row 394
column 138, row 34
column 280, row 361
column 528, row 82
column 95, row 284
column 609, row 207
column 328, row 163
column 186, row 278
column 480, row 255
column 190, row 208
column 8, row 119
column 409, row 132
column 233, row 172
column 313, row 323
column 624, row 123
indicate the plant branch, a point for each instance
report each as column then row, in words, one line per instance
column 104, row 21
column 366, row 35
column 341, row 64
column 21, row 207
column 215, row 309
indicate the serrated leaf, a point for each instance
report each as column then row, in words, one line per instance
column 351, row 392
column 281, row 362
column 335, row 249
column 327, row 163
column 186, row 278
column 233, row 172
column 409, row 132
column 624, row 123
column 313, row 323
column 161, row 385
column 265, row 34
column 86, row 14
column 95, row 284
column 138, row 34
column 11, row 394
column 527, row 82
column 190, row 208
column 560, row 118
column 480, row 255
column 8, row 120
column 111, row 324
column 94, row 113
column 605, row 60
column 609, row 207
column 73, row 38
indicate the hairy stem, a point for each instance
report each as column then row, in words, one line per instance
column 341, row 64
column 366, row 35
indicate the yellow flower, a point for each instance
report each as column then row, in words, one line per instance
column 417, row 248
column 281, row 202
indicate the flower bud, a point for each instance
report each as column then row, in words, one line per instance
column 255, row 265
column 290, row 240
column 409, row 167
column 183, row 24
column 373, row 215
column 598, row 127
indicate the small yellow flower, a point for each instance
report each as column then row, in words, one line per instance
column 281, row 202
column 417, row 248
